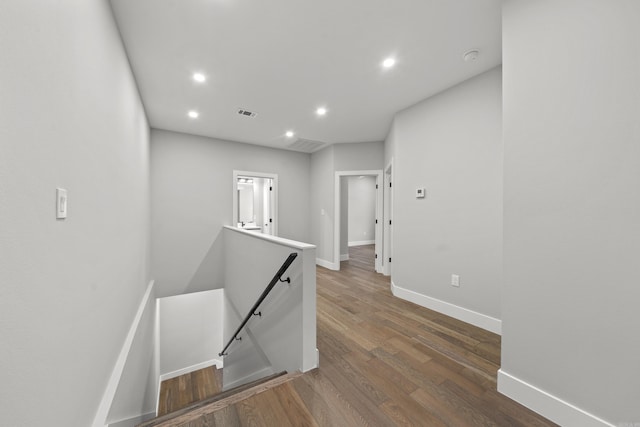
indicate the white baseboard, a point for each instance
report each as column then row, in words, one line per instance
column 100, row 420
column 469, row 316
column 327, row 264
column 134, row 421
column 344, row 257
column 362, row 242
column 192, row 368
column 264, row 372
column 545, row 404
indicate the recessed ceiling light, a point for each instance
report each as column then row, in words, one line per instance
column 193, row 114
column 389, row 62
column 321, row 111
column 199, row 77
column 289, row 134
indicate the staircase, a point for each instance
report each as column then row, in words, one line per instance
column 188, row 398
column 185, row 390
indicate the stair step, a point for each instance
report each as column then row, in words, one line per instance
column 180, row 392
column 219, row 401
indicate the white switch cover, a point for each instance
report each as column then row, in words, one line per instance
column 455, row 280
column 420, row 193
column 61, row 203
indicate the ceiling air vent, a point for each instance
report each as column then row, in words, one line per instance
column 246, row 113
column 306, row 145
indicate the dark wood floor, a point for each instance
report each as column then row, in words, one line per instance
column 384, row 362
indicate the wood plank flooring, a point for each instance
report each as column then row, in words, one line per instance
column 180, row 392
column 384, row 362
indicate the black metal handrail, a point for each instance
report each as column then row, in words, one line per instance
column 277, row 278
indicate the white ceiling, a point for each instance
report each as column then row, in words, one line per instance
column 284, row 58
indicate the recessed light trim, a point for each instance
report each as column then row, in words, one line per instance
column 321, row 111
column 193, row 114
column 389, row 62
column 289, row 134
column 199, row 77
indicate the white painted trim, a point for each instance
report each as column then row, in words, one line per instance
column 361, row 243
column 326, row 264
column 469, row 316
column 156, row 358
column 547, row 405
column 378, row 173
column 274, row 177
column 273, row 239
column 100, row 420
column 264, row 372
column 344, row 257
column 133, row 421
column 387, row 234
column 218, row 364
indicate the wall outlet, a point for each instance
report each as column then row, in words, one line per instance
column 455, row 280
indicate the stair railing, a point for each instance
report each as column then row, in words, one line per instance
column 253, row 312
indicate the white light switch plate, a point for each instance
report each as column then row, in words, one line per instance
column 455, row 280
column 61, row 203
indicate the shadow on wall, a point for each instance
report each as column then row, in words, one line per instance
column 209, row 274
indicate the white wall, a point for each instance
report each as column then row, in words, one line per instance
column 136, row 395
column 389, row 146
column 451, row 145
column 359, row 156
column 71, row 117
column 244, row 359
column 324, row 164
column 322, row 203
column 190, row 330
column 286, row 331
column 344, row 218
column 572, row 207
column 362, row 209
column 192, row 196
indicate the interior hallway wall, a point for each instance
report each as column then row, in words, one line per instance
column 572, row 205
column 321, row 192
column 362, row 209
column 190, row 330
column 192, row 198
column 451, row 145
column 70, row 117
column 324, row 164
column 344, row 218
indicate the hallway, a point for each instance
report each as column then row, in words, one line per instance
column 386, row 361
column 383, row 362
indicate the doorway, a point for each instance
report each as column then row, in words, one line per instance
column 340, row 218
column 255, row 201
column 388, row 215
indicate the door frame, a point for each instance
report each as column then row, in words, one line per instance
column 378, row 173
column 274, row 205
column 388, row 217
